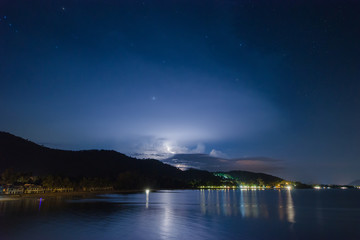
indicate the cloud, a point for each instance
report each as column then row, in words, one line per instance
column 200, row 148
column 162, row 148
column 194, row 156
column 212, row 163
column 217, row 154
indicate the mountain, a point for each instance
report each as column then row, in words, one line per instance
column 25, row 156
column 250, row 177
column 355, row 183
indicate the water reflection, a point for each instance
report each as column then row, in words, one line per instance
column 167, row 220
column 40, row 201
column 203, row 214
column 290, row 211
column 248, row 203
column 147, row 192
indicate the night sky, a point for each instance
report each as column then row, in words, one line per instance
column 269, row 86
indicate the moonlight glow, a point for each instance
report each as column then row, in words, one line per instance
column 233, row 79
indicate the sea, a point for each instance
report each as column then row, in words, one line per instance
column 185, row 214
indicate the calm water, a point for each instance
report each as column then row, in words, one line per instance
column 203, row 214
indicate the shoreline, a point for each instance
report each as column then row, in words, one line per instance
column 84, row 194
column 78, row 193
column 66, row 194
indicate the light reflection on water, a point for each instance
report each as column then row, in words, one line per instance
column 246, row 203
column 203, row 214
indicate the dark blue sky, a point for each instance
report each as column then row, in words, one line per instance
column 259, row 85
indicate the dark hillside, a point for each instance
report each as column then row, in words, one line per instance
column 25, row 156
column 251, row 177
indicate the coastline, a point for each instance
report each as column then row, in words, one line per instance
column 66, row 194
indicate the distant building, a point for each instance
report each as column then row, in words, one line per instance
column 62, row 189
column 14, row 190
column 31, row 188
